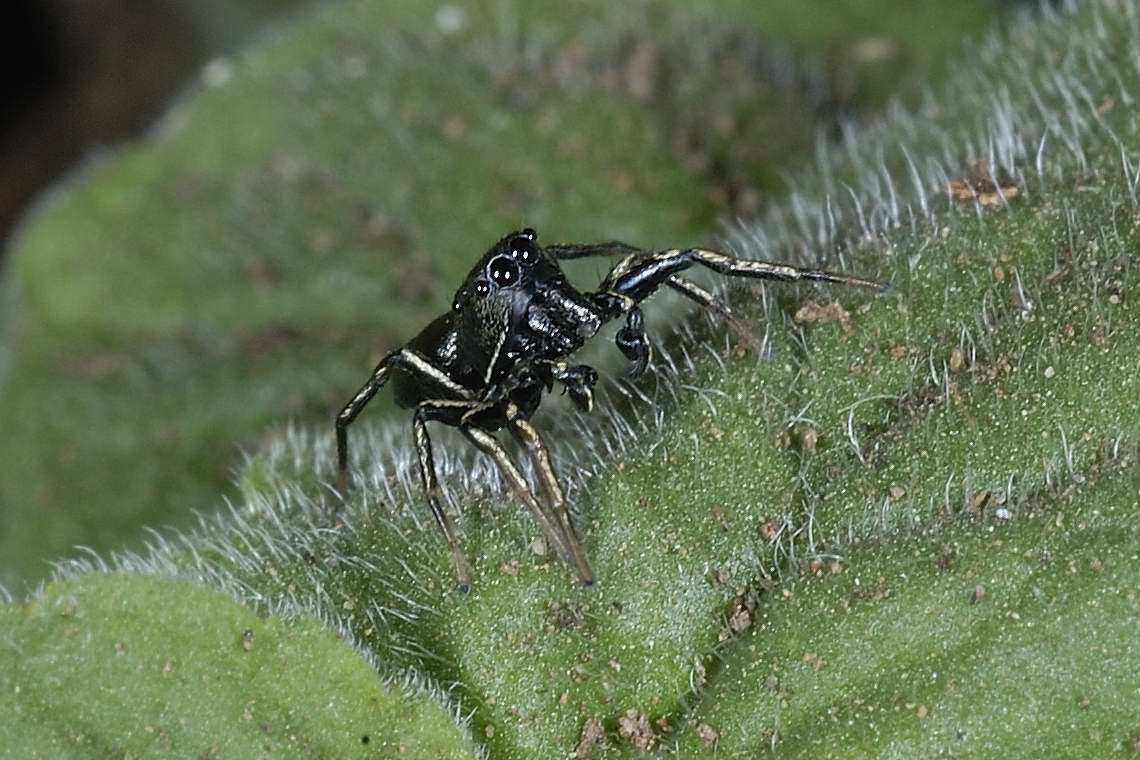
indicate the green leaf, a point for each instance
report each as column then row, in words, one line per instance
column 1014, row 639
column 956, row 411
column 936, row 444
column 129, row 666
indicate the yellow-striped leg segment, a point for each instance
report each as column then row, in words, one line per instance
column 431, row 486
column 548, row 522
column 526, row 434
column 638, row 275
column 699, row 295
column 350, row 412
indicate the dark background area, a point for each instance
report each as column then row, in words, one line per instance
column 76, row 75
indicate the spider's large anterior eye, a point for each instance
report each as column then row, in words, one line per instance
column 503, row 271
column 523, row 249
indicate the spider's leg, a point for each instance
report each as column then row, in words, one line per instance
column 699, row 295
column 639, row 275
column 549, row 523
column 563, row 251
column 526, row 434
column 431, row 484
column 350, row 412
column 636, row 277
column 407, row 360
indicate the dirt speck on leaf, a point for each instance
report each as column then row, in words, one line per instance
column 593, row 734
column 708, row 735
column 740, row 614
column 560, row 617
column 981, row 185
column 816, row 662
column 815, row 313
column 700, row 675
column 634, row 727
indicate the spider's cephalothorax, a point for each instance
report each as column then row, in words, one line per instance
column 515, row 306
column 486, row 363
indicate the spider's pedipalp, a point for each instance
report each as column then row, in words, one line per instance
column 579, row 381
column 632, row 342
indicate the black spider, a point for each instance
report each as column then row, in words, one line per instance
column 486, row 363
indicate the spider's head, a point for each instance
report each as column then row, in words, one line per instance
column 495, row 296
column 506, row 278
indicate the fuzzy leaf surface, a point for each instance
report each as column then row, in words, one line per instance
column 122, row 665
column 977, row 427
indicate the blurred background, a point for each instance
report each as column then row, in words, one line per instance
column 286, row 190
column 76, row 75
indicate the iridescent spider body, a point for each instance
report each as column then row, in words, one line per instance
column 486, row 364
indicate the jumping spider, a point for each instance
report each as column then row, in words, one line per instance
column 486, row 363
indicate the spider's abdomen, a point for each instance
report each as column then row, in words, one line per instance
column 437, row 345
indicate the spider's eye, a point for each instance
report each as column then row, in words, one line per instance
column 457, row 304
column 529, row 234
column 523, row 248
column 482, row 288
column 503, row 272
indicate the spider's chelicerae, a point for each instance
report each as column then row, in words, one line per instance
column 486, row 363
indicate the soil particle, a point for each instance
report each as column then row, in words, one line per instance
column 708, row 735
column 815, row 313
column 593, row 734
column 634, row 727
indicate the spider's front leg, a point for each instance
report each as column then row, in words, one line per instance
column 545, row 515
column 426, row 411
column 636, row 277
column 707, row 300
column 639, row 275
